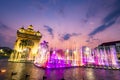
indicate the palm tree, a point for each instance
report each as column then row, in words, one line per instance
column 30, row 43
column 25, row 43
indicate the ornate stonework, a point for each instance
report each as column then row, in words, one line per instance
column 26, row 45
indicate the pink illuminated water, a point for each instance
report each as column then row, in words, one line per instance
column 84, row 56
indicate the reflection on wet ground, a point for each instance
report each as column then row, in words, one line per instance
column 27, row 71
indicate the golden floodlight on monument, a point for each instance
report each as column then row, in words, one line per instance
column 26, row 45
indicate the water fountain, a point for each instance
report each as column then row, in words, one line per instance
column 42, row 56
column 23, row 55
column 58, row 58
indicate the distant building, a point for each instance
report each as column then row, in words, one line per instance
column 109, row 44
column 26, row 44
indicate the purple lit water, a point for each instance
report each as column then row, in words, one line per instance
column 79, row 57
column 55, row 74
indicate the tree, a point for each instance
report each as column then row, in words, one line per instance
column 25, row 42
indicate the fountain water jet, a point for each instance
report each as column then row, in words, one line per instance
column 84, row 56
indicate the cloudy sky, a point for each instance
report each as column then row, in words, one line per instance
column 63, row 23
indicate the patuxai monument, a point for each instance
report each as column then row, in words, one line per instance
column 26, row 45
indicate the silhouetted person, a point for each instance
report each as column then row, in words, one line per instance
column 13, row 73
column 26, row 76
column 62, row 79
column 44, row 77
column 83, row 78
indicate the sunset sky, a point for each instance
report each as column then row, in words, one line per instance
column 63, row 23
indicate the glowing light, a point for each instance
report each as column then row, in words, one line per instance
column 3, row 70
column 59, row 58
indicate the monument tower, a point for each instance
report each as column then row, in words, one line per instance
column 26, row 44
